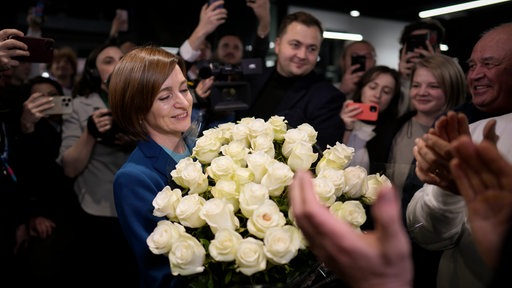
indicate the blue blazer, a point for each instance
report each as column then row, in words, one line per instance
column 145, row 173
column 312, row 99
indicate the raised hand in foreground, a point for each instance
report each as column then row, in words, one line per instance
column 378, row 258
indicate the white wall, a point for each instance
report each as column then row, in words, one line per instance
column 383, row 34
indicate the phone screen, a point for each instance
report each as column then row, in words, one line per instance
column 40, row 49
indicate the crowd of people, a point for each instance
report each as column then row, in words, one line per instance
column 78, row 187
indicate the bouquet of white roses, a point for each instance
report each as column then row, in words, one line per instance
column 228, row 221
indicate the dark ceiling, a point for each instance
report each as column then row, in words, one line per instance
column 170, row 22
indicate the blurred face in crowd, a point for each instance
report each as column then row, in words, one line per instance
column 426, row 93
column 21, row 73
column 379, row 91
column 297, row 50
column 205, row 51
column 106, row 61
column 230, row 50
column 490, row 71
column 358, row 49
column 61, row 68
column 172, row 108
column 46, row 88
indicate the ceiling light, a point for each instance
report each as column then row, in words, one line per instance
column 355, row 13
column 342, row 36
column 458, row 7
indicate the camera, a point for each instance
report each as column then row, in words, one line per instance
column 229, row 90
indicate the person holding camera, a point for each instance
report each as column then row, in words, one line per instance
column 92, row 150
column 228, row 53
column 292, row 88
column 418, row 39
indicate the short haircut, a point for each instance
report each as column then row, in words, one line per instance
column 302, row 18
column 449, row 75
column 135, row 83
column 429, row 24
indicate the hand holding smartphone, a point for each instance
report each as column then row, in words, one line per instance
column 40, row 49
column 62, row 105
column 213, row 1
column 370, row 111
column 361, row 60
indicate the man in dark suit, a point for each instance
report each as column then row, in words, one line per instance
column 292, row 88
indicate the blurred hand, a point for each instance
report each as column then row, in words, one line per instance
column 41, row 227
column 349, row 80
column 484, row 179
column 211, row 17
column 33, row 110
column 348, row 114
column 203, row 88
column 376, row 258
column 10, row 48
column 433, row 152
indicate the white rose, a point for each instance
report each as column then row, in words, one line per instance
column 250, row 257
column 351, row 211
column 252, row 195
column 224, row 132
column 301, row 156
column 375, row 182
column 281, row 244
column 266, row 216
column 336, row 157
column 309, row 131
column 227, row 189
column 264, row 143
column 189, row 174
column 207, row 148
column 258, row 127
column 224, row 246
column 165, row 203
column 240, row 132
column 256, row 162
column 291, row 137
column 187, row 256
column 222, row 167
column 325, row 191
column 243, row 176
column 188, row 211
column 336, row 177
column 355, row 181
column 237, row 151
column 163, row 236
column 279, row 175
column 279, row 125
column 218, row 213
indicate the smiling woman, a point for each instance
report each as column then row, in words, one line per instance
column 151, row 102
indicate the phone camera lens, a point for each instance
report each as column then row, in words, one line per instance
column 373, row 108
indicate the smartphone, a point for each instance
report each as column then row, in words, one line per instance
column 41, row 49
column 123, row 16
column 370, row 111
column 62, row 105
column 416, row 41
column 213, row 1
column 361, row 60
